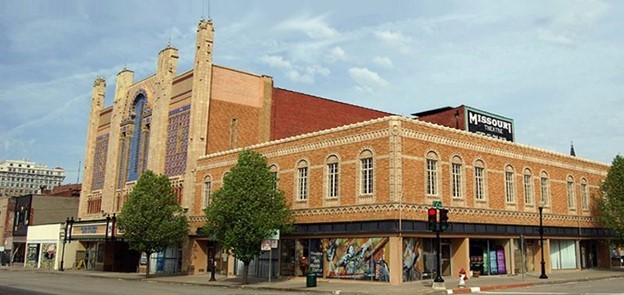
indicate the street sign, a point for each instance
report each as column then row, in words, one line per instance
column 437, row 204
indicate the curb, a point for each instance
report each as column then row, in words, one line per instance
column 487, row 288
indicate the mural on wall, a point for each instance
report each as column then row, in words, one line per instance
column 357, row 258
column 411, row 259
column 48, row 253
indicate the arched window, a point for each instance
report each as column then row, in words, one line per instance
column 545, row 188
column 333, row 176
column 510, row 192
column 366, row 172
column 138, row 145
column 570, row 192
column 302, row 180
column 584, row 194
column 479, row 180
column 457, row 177
column 207, row 191
column 528, row 187
column 431, row 162
column 275, row 171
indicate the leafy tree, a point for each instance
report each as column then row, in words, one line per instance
column 152, row 219
column 611, row 205
column 247, row 209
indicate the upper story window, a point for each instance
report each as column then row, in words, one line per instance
column 275, row 172
column 207, row 191
column 545, row 188
column 333, row 176
column 432, row 174
column 366, row 172
column 479, row 175
column 302, row 180
column 457, row 177
column 510, row 192
column 528, row 187
column 584, row 194
column 570, row 192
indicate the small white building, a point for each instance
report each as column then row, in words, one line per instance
column 44, row 247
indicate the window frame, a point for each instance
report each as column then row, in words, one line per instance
column 457, row 178
column 480, row 181
column 528, row 187
column 431, row 174
column 332, row 170
column 510, row 185
column 303, row 174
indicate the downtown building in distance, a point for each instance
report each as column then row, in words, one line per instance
column 20, row 177
column 360, row 181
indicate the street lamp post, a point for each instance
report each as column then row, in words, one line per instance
column 64, row 242
column 541, row 231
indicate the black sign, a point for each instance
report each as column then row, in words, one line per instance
column 489, row 125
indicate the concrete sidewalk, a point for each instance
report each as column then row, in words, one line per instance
column 348, row 287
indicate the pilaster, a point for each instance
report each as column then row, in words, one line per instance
column 264, row 124
column 396, row 260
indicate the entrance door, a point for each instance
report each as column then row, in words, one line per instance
column 446, row 259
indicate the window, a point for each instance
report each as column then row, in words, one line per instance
column 456, row 177
column 302, row 180
column 366, row 172
column 432, row 174
column 207, row 190
column 275, row 173
column 332, row 177
column 510, row 194
column 545, row 188
column 570, row 190
column 584, row 201
column 528, row 187
column 479, row 170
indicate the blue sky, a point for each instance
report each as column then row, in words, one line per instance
column 555, row 67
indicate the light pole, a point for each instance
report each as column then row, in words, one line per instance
column 541, row 231
column 64, row 242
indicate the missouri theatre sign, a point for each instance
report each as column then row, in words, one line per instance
column 489, row 124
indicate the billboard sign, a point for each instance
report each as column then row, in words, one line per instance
column 489, row 124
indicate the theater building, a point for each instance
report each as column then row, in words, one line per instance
column 359, row 180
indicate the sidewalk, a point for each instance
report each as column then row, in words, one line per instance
column 347, row 287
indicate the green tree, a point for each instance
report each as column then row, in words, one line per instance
column 152, row 219
column 247, row 209
column 610, row 206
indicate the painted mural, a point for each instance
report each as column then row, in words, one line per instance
column 357, row 258
column 412, row 259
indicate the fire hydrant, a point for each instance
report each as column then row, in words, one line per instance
column 462, row 278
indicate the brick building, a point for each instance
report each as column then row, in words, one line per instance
column 359, row 180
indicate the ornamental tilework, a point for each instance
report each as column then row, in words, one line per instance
column 99, row 161
column 177, row 141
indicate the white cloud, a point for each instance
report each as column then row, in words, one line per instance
column 301, row 74
column 336, row 54
column 383, row 62
column 552, row 37
column 366, row 79
column 392, row 37
column 277, row 62
column 314, row 27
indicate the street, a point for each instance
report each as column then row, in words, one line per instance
column 33, row 283
column 605, row 286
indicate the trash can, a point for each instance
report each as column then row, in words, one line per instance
column 311, row 280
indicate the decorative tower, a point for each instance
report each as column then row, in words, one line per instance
column 200, row 106
column 97, row 103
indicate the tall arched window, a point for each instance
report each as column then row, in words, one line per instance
column 333, row 177
column 275, row 171
column 528, row 187
column 207, row 191
column 510, row 191
column 584, row 194
column 570, row 192
column 457, row 177
column 479, row 180
column 544, row 188
column 431, row 166
column 302, row 180
column 366, row 172
column 138, row 146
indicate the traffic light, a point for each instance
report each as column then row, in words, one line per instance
column 431, row 218
column 444, row 219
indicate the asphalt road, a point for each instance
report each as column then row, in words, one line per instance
column 32, row 283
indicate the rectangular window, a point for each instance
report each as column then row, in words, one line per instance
column 432, row 177
column 457, row 180
column 585, row 204
column 302, row 183
column 509, row 187
column 544, row 190
column 367, row 176
column 528, row 190
column 570, row 188
column 332, row 180
column 479, row 181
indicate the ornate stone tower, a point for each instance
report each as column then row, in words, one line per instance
column 97, row 103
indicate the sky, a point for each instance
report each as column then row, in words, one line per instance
column 555, row 67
